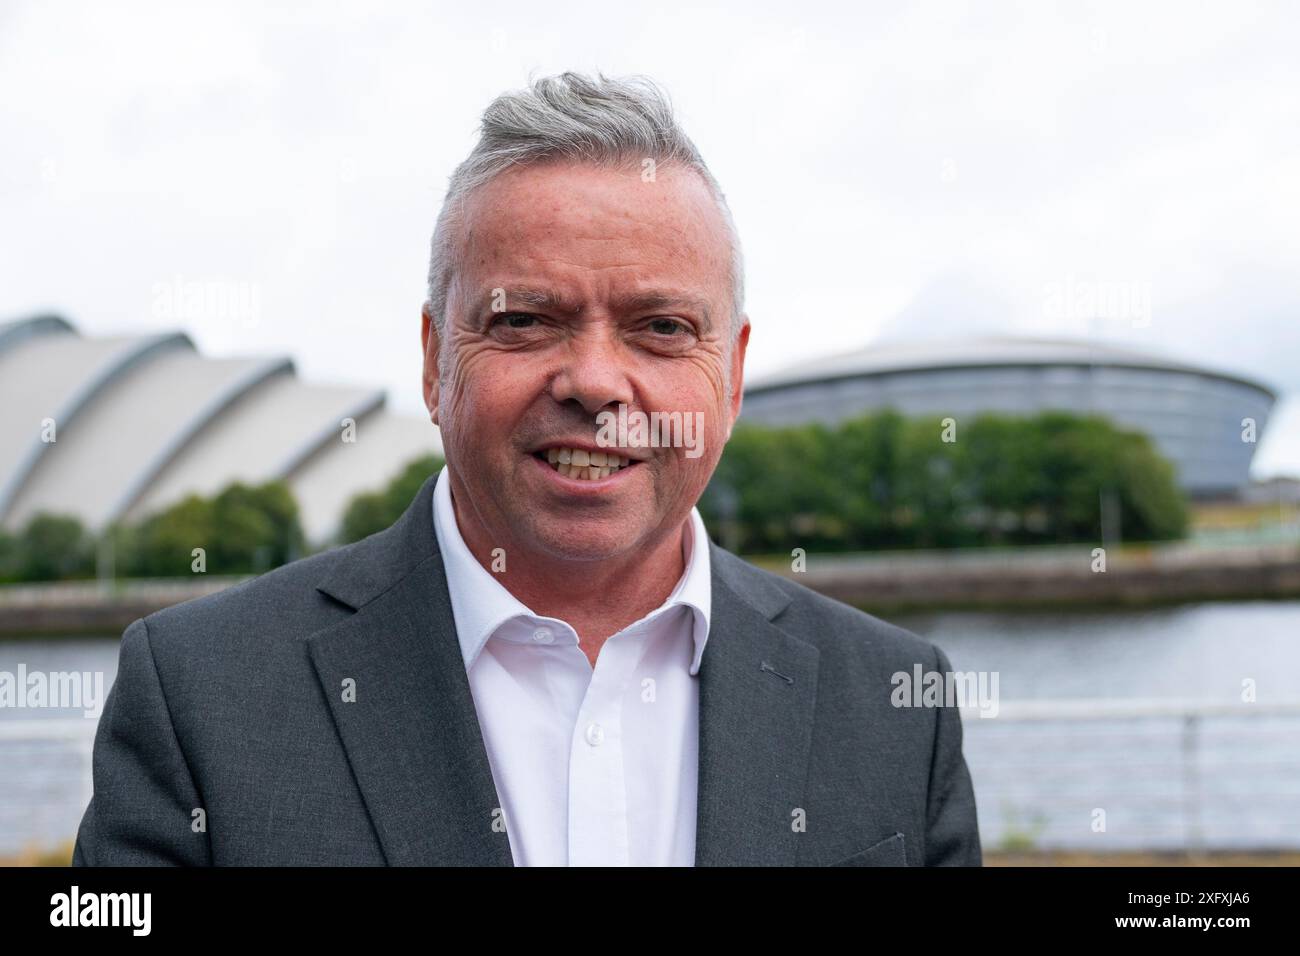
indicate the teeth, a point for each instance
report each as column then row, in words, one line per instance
column 585, row 465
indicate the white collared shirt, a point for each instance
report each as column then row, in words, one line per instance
column 594, row 767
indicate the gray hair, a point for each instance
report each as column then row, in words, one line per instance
column 572, row 116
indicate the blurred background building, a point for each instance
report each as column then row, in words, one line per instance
column 139, row 422
column 1195, row 415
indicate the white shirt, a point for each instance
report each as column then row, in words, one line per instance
column 594, row 767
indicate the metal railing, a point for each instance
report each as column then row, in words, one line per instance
column 1169, row 774
column 1155, row 774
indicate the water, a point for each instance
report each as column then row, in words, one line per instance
column 51, row 654
column 45, row 753
column 1206, row 768
column 1229, row 778
column 1201, row 652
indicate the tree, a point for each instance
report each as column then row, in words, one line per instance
column 54, row 548
column 10, row 556
column 372, row 511
column 244, row 529
column 882, row 481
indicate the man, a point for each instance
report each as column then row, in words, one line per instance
column 545, row 661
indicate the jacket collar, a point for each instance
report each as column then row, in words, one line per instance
column 412, row 734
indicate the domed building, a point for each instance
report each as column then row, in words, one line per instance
column 1194, row 415
column 113, row 428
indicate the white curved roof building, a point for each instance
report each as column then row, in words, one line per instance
column 139, row 422
column 1194, row 415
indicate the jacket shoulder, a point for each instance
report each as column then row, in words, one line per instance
column 281, row 604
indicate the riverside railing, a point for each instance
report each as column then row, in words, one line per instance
column 1135, row 774
column 1165, row 774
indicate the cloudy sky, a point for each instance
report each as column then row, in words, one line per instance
column 1129, row 172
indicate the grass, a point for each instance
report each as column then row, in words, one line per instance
column 34, row 855
column 1145, row 858
column 1237, row 515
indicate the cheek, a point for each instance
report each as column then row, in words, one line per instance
column 484, row 405
column 696, row 381
column 709, row 395
column 481, row 407
column 704, row 466
column 709, row 370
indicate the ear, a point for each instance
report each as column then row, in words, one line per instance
column 429, row 345
column 738, row 373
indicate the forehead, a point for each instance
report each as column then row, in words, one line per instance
column 596, row 228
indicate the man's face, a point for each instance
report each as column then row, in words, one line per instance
column 579, row 288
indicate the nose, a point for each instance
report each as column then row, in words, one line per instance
column 591, row 372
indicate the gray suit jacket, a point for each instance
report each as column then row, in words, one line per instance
column 226, row 738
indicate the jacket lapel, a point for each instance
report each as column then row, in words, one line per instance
column 758, row 688
column 412, row 734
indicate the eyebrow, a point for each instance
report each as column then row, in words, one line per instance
column 647, row 301
column 541, row 298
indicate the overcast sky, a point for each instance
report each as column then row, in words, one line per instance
column 897, row 170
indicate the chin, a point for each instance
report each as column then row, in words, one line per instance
column 586, row 540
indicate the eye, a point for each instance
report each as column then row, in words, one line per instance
column 668, row 327
column 515, row 320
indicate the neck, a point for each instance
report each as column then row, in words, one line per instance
column 596, row 598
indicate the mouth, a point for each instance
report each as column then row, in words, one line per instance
column 583, row 464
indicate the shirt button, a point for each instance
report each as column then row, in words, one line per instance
column 595, row 735
column 543, row 636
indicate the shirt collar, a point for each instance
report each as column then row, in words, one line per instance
column 480, row 604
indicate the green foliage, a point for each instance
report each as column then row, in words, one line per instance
column 243, row 530
column 161, row 544
column 883, row 481
column 374, row 511
column 10, row 557
column 51, row 548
